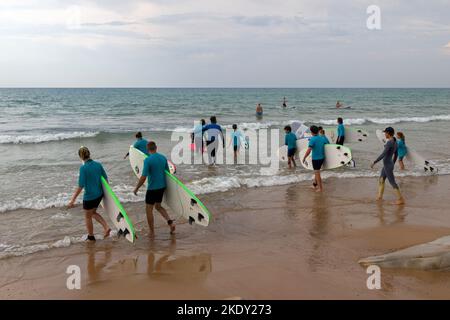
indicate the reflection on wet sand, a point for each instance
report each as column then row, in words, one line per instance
column 393, row 213
column 158, row 262
column 319, row 229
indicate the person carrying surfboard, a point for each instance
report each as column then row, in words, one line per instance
column 89, row 179
column 140, row 144
column 389, row 157
column 154, row 169
column 402, row 149
column 316, row 146
column 236, row 139
column 340, row 132
column 213, row 131
column 290, row 140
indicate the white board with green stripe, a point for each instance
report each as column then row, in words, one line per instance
column 182, row 201
column 117, row 213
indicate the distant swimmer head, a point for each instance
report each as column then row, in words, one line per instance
column 139, row 135
column 234, row 126
column 314, row 130
column 151, row 146
column 340, row 120
column 287, row 129
column 213, row 119
column 84, row 153
column 389, row 131
column 321, row 131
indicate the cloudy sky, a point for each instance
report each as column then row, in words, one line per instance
column 231, row 43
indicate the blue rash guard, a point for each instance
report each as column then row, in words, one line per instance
column 236, row 137
column 401, row 148
column 213, row 130
column 317, row 144
column 90, row 180
column 341, row 130
column 290, row 140
column 155, row 166
column 141, row 145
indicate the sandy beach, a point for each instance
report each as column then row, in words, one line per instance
column 283, row 242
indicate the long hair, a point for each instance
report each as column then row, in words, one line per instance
column 401, row 136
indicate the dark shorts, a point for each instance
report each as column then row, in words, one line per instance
column 92, row 204
column 154, row 196
column 291, row 152
column 340, row 140
column 401, row 158
column 317, row 164
column 235, row 148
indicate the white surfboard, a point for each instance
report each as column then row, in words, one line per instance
column 335, row 156
column 412, row 156
column 177, row 196
column 427, row 256
column 117, row 213
column 352, row 135
column 282, row 151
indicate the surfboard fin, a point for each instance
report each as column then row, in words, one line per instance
column 193, row 202
column 200, row 217
column 191, row 220
column 119, row 217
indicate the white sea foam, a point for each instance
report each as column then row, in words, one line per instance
column 46, row 137
column 205, row 186
column 359, row 121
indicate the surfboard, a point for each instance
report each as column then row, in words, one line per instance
column 431, row 255
column 117, row 213
column 335, row 156
column 352, row 135
column 412, row 156
column 183, row 202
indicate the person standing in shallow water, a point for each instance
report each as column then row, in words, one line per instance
column 140, row 144
column 155, row 167
column 89, row 179
column 389, row 157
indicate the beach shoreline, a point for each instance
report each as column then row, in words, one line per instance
column 279, row 242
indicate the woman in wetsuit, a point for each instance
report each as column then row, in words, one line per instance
column 389, row 157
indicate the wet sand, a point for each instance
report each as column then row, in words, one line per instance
column 283, row 242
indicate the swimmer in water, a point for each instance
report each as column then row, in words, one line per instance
column 259, row 110
column 389, row 157
column 284, row 102
column 339, row 104
column 402, row 149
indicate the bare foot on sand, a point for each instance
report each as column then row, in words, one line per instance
column 107, row 233
column 399, row 202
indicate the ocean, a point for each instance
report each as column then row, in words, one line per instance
column 42, row 129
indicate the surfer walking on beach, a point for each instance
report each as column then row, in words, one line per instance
column 140, row 144
column 340, row 131
column 89, row 179
column 316, row 146
column 154, row 169
column 290, row 140
column 402, row 149
column 213, row 131
column 389, row 157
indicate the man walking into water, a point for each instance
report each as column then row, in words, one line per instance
column 213, row 131
column 154, row 169
column 389, row 157
column 316, row 146
column 89, row 179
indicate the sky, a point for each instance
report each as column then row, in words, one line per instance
column 223, row 43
